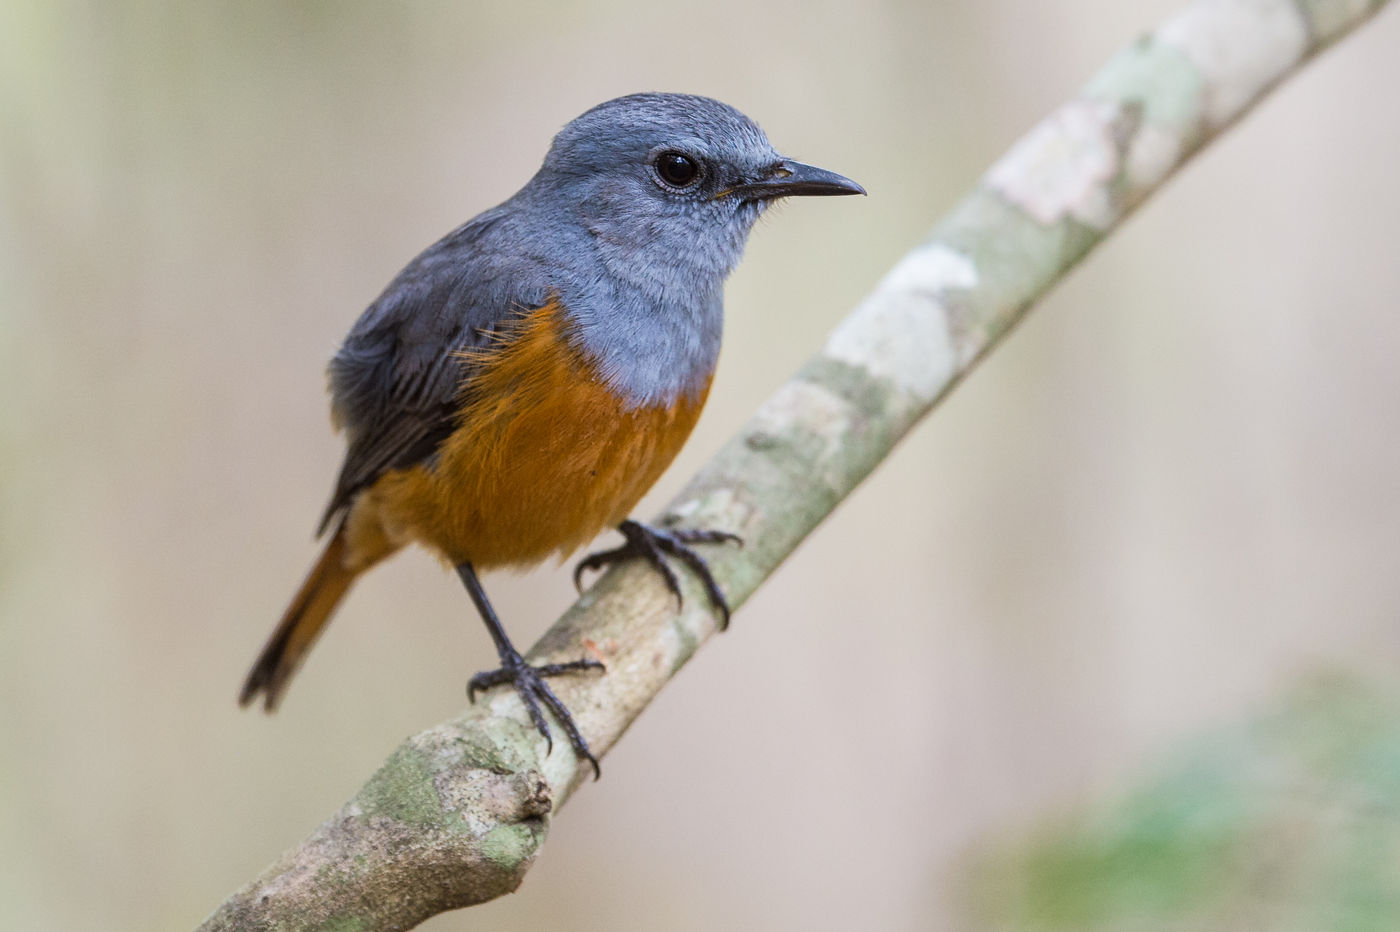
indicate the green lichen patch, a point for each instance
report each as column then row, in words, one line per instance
column 502, row 745
column 403, row 790
column 872, row 398
column 1016, row 257
column 1156, row 77
column 509, row 847
column 1331, row 19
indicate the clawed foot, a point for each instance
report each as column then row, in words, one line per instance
column 530, row 683
column 656, row 544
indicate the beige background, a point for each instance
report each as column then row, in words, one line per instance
column 1174, row 491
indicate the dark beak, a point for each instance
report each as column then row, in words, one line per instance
column 789, row 178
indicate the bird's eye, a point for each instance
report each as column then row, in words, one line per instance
column 677, row 169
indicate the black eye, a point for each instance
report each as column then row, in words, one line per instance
column 677, row 169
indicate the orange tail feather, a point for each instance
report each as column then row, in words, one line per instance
column 312, row 607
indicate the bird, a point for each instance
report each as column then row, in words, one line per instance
column 522, row 382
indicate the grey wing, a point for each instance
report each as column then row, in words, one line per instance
column 396, row 381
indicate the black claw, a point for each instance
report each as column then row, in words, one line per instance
column 486, row 679
column 653, row 555
column 528, row 681
column 701, row 536
column 656, row 544
column 553, row 669
column 530, row 684
column 595, row 561
column 579, row 745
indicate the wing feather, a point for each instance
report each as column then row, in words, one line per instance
column 396, row 382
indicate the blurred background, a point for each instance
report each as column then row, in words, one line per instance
column 1140, row 568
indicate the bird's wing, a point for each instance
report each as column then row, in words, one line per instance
column 396, row 381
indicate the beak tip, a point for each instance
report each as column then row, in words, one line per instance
column 845, row 186
column 798, row 178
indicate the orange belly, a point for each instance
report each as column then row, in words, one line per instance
column 546, row 457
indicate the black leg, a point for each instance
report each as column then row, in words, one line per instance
column 654, row 545
column 528, row 681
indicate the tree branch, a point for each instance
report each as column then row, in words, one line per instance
column 457, row 813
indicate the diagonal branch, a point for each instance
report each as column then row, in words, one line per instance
column 457, row 813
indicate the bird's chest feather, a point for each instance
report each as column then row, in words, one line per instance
column 546, row 455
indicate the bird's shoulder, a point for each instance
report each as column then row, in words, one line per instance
column 396, row 378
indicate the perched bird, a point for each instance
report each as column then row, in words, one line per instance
column 524, row 380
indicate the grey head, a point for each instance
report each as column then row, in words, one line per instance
column 654, row 196
column 671, row 184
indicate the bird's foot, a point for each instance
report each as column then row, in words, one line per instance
column 529, row 682
column 654, row 545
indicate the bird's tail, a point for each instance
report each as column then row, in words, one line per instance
column 312, row 607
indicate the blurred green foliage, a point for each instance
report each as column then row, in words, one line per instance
column 1289, row 822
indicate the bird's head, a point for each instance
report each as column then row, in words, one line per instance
column 669, row 185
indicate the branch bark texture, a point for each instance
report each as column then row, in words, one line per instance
column 458, row 812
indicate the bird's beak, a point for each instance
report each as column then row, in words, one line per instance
column 789, row 178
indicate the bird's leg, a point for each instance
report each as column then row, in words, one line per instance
column 529, row 681
column 654, row 545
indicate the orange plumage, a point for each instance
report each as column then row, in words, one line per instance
column 545, row 456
